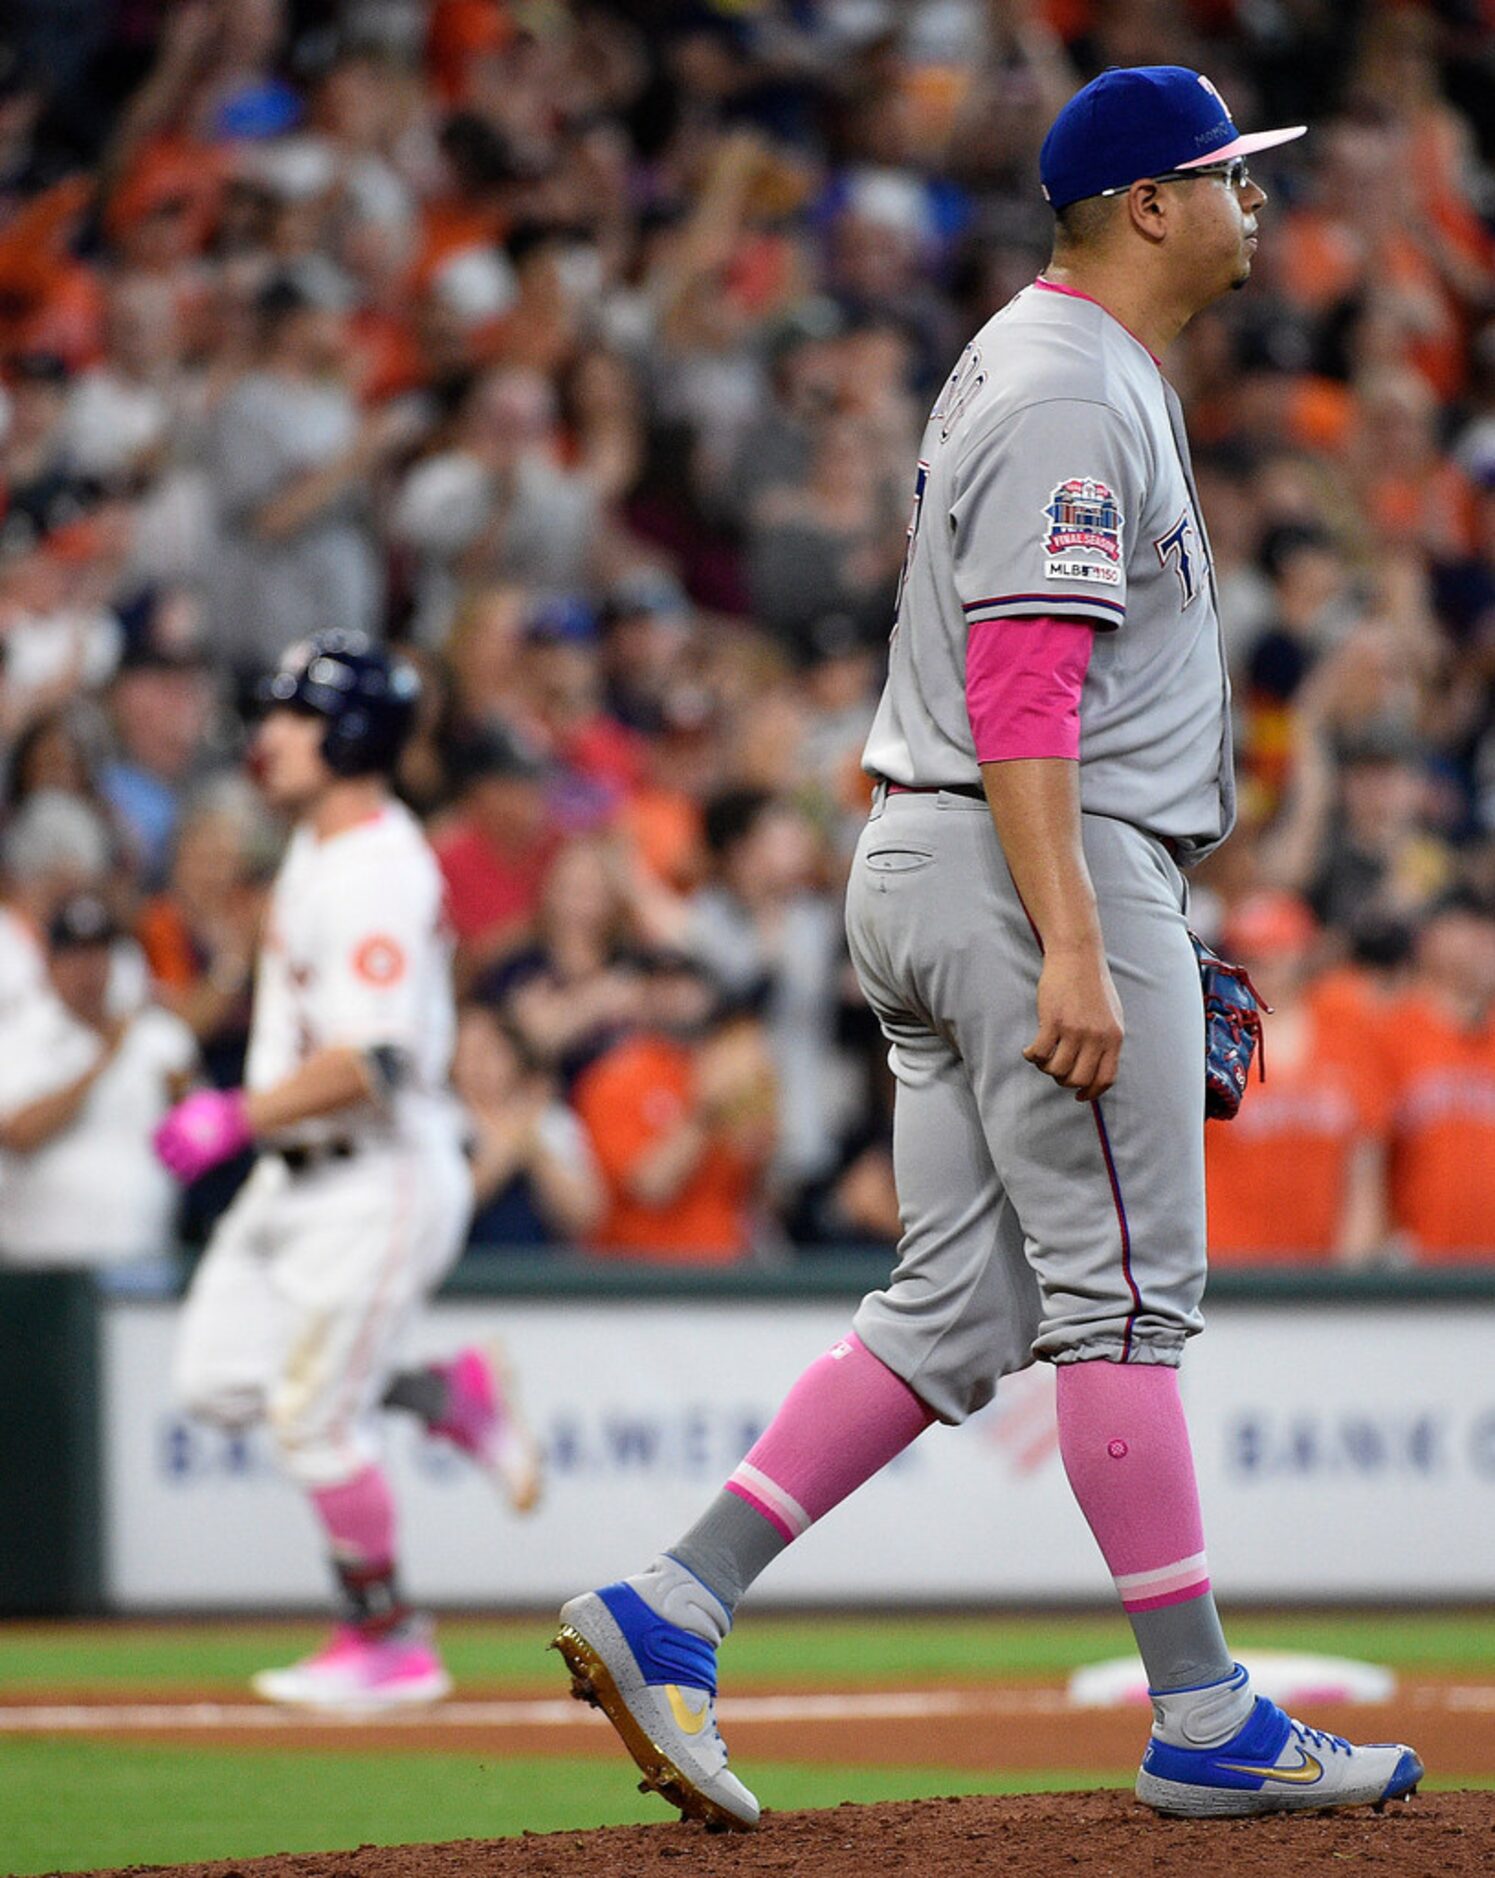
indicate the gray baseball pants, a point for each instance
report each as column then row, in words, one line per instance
column 1033, row 1225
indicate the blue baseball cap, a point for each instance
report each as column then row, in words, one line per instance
column 1141, row 120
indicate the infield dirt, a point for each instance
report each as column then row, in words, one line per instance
column 1051, row 1835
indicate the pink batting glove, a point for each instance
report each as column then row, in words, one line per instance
column 210, row 1126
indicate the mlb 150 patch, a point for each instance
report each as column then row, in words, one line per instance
column 1083, row 538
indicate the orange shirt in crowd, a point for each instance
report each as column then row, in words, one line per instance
column 1441, row 1085
column 1275, row 1177
column 663, row 827
column 629, row 1101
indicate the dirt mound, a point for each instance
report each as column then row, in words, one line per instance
column 1047, row 1835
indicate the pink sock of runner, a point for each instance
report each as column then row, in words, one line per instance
column 844, row 1420
column 1126, row 1450
column 358, row 1516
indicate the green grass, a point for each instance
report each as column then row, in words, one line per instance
column 829, row 1651
column 72, row 1806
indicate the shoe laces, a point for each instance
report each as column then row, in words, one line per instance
column 1317, row 1738
column 711, row 1732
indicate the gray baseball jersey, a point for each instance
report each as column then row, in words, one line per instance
column 1054, row 479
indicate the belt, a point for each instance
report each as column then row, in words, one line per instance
column 303, row 1157
column 1175, row 849
column 973, row 791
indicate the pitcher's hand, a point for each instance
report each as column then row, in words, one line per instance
column 1079, row 1022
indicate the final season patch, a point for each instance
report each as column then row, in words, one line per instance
column 1084, row 535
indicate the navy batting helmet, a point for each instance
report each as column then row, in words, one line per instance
column 367, row 699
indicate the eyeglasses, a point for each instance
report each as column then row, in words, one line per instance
column 1233, row 174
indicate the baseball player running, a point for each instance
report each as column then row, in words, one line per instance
column 359, row 1200
column 1052, row 742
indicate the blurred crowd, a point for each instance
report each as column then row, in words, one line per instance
column 582, row 350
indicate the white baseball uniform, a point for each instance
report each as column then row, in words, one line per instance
column 350, row 1219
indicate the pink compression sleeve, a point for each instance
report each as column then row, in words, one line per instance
column 1023, row 683
column 358, row 1517
column 845, row 1418
column 1125, row 1447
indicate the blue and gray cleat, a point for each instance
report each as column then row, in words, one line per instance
column 656, row 1684
column 1273, row 1765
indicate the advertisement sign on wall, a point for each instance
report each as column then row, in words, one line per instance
column 1341, row 1453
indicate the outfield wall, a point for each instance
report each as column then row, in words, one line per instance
column 1345, row 1439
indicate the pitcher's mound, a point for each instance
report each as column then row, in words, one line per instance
column 1041, row 1835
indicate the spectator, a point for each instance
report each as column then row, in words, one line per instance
column 55, row 846
column 1413, row 493
column 200, row 933
column 841, row 677
column 776, row 449
column 765, row 931
column 1383, row 860
column 161, row 703
column 80, row 1092
column 54, row 752
column 33, row 459
column 58, row 638
column 119, row 412
column 599, row 760
column 1299, row 1175
column 495, row 849
column 1439, row 1049
column 500, row 505
column 663, row 819
column 1310, row 607
column 571, row 994
column 681, row 1119
column 289, row 460
column 646, row 630
column 483, row 653
column 1354, row 837
column 831, row 544
column 534, row 1176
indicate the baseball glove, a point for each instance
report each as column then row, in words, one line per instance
column 1232, row 1031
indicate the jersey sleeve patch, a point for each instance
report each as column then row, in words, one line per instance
column 1082, row 533
column 379, row 960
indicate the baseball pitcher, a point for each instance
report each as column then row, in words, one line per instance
column 1051, row 747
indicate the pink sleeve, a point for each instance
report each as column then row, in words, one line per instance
column 1023, row 682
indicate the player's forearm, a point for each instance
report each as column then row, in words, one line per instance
column 33, row 1126
column 331, row 1080
column 1035, row 803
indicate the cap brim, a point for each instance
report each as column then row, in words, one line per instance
column 1248, row 145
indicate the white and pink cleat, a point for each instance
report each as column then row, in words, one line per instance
column 483, row 1420
column 357, row 1676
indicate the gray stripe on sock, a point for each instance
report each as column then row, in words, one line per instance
column 728, row 1547
column 1182, row 1645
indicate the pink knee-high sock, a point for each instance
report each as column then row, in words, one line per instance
column 359, row 1518
column 1125, row 1446
column 845, row 1418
